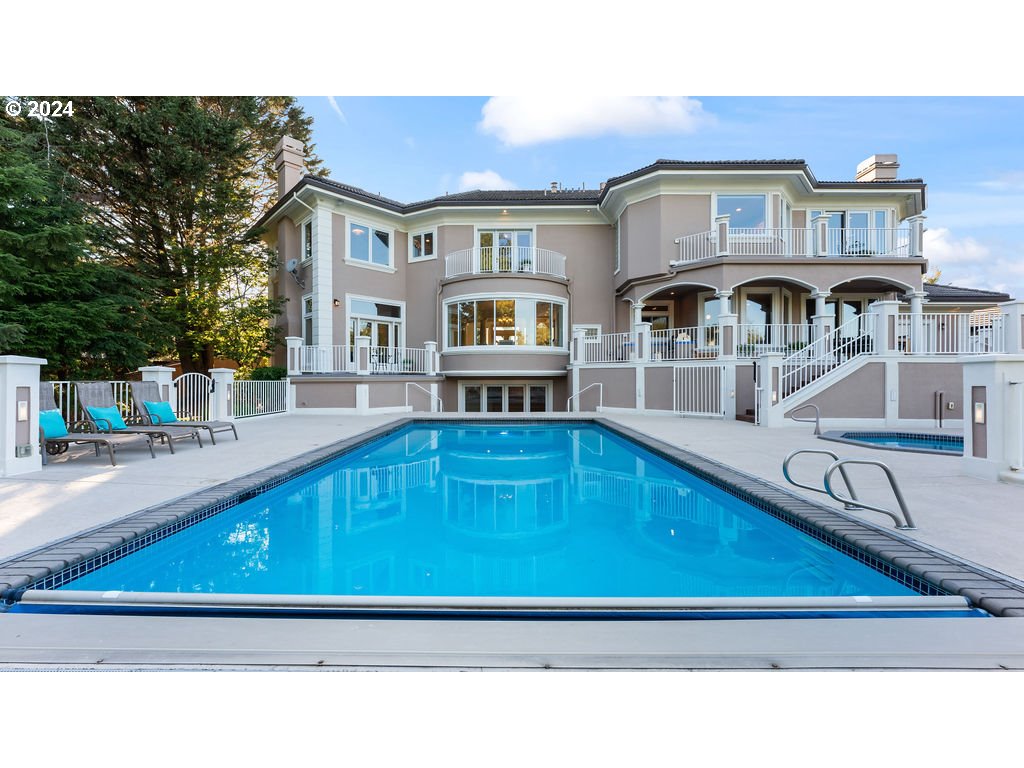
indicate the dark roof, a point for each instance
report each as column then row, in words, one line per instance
column 952, row 293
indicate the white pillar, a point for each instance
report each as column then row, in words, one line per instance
column 722, row 235
column 916, row 235
column 916, row 321
column 638, row 313
column 1013, row 326
column 431, row 353
column 819, row 225
column 769, row 379
column 323, row 282
column 164, row 378
column 642, row 350
column 578, row 351
column 993, row 402
column 223, row 391
column 886, row 341
column 293, row 351
column 726, row 326
column 19, row 415
column 362, row 355
column 822, row 320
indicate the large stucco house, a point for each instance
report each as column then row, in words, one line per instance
column 739, row 289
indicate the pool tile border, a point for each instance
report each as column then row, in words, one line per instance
column 909, row 562
column 840, row 436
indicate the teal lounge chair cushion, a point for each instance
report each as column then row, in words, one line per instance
column 52, row 424
column 104, row 415
column 160, row 413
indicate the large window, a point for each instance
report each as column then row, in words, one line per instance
column 859, row 233
column 380, row 321
column 744, row 211
column 307, row 241
column 369, row 245
column 421, row 246
column 505, row 322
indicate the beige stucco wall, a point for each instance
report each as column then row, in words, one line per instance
column 589, row 252
column 745, row 389
column 619, row 386
column 504, row 285
column 504, row 361
column 325, row 394
column 920, row 381
column 860, row 395
column 384, row 394
column 658, row 393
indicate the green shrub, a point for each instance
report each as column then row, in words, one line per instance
column 270, row 373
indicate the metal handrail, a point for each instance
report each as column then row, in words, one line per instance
column 842, row 471
column 600, row 396
column 817, row 417
column 440, row 402
column 907, row 523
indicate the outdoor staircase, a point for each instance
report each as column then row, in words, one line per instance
column 832, row 352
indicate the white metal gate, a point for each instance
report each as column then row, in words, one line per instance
column 193, row 395
column 697, row 390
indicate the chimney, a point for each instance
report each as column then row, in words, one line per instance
column 289, row 157
column 554, row 186
column 603, row 185
column 878, row 168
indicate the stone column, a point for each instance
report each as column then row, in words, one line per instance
column 578, row 352
column 769, row 379
column 363, row 355
column 19, row 415
column 431, row 352
column 822, row 320
column 1013, row 326
column 885, row 339
column 164, row 378
column 293, row 354
column 916, row 235
column 722, row 235
column 819, row 225
column 223, row 392
column 993, row 401
column 642, row 350
column 726, row 326
column 917, row 344
column 322, row 273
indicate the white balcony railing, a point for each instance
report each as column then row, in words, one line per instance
column 610, row 348
column 398, row 360
column 342, row 359
column 795, row 242
column 684, row 343
column 504, row 260
column 754, row 339
column 947, row 333
column 327, row 359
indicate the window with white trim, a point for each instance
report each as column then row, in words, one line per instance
column 307, row 319
column 517, row 322
column 744, row 211
column 369, row 244
column 307, row 241
column 591, row 333
column 618, row 246
column 421, row 245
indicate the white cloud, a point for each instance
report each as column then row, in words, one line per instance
column 941, row 247
column 523, row 120
column 970, row 263
column 337, row 110
column 484, row 180
column 1011, row 181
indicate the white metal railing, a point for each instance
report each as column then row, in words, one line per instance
column 326, row 359
column 192, row 396
column 610, row 348
column 258, row 398
column 851, row 339
column 700, row 341
column 398, row 360
column 868, row 242
column 432, row 396
column 67, row 399
column 504, row 259
column 702, row 245
column 795, row 241
column 600, row 396
column 770, row 242
column 753, row 339
column 697, row 390
column 951, row 333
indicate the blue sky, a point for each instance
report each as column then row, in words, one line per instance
column 968, row 150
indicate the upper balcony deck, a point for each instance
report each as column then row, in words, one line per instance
column 504, row 260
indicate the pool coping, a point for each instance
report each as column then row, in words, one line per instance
column 839, row 436
column 911, row 562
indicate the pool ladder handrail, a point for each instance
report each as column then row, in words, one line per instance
column 433, row 397
column 852, row 503
column 600, row 396
column 817, row 416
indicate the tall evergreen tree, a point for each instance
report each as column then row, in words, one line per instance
column 177, row 184
column 56, row 301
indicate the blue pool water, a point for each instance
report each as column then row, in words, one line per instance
column 951, row 444
column 560, row 510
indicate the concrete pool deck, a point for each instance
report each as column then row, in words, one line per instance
column 972, row 518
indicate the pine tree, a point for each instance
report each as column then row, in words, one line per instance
column 176, row 185
column 56, row 301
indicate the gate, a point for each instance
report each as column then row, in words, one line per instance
column 193, row 395
column 697, row 390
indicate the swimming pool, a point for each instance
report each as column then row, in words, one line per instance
column 563, row 516
column 951, row 445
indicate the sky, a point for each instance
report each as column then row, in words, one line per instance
column 968, row 150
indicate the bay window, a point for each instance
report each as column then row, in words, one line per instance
column 518, row 322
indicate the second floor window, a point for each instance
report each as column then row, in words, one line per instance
column 744, row 211
column 422, row 246
column 307, row 241
column 370, row 245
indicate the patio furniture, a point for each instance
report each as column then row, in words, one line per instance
column 154, row 410
column 97, row 401
column 56, row 435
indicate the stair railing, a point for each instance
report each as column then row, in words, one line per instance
column 841, row 345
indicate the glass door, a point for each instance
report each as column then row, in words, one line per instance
column 505, row 397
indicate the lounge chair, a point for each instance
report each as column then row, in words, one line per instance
column 153, row 409
column 97, row 401
column 56, row 434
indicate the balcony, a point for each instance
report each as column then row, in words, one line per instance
column 816, row 241
column 504, row 260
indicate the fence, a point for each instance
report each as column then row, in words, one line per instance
column 67, row 399
column 610, row 348
column 697, row 390
column 684, row 343
column 753, row 339
column 951, row 334
column 258, row 398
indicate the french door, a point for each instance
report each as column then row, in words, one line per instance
column 505, row 397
